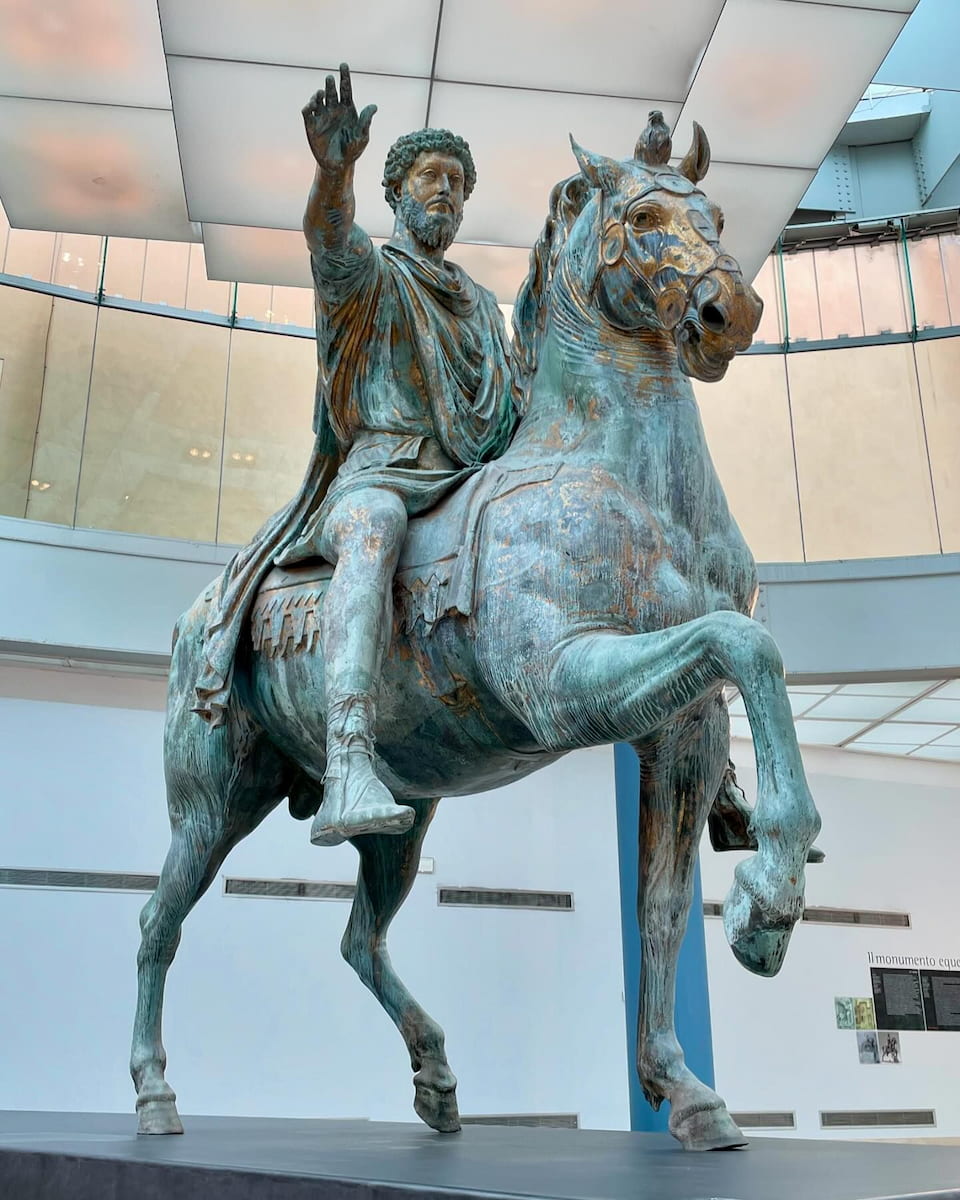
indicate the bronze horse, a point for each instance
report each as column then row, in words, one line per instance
column 588, row 587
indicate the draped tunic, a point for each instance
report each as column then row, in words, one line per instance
column 408, row 354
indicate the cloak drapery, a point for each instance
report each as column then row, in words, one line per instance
column 405, row 349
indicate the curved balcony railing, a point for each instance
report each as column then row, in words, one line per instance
column 199, row 427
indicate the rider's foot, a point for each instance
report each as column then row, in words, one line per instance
column 356, row 802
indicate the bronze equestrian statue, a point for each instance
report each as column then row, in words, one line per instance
column 584, row 584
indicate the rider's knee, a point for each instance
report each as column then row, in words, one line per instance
column 373, row 519
column 386, row 518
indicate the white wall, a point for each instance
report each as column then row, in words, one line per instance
column 891, row 830
column 263, row 1017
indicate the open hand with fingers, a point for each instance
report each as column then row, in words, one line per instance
column 336, row 134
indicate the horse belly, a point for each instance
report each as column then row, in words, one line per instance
column 439, row 731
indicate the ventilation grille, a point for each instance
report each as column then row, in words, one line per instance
column 496, row 898
column 765, row 1120
column 834, row 916
column 112, row 881
column 877, row 1118
column 289, row 889
column 533, row 1120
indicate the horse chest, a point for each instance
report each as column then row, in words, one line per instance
column 641, row 558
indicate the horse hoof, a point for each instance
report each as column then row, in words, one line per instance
column 759, row 933
column 436, row 1106
column 815, row 855
column 158, row 1116
column 710, row 1128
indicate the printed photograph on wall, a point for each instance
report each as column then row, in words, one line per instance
column 864, row 1014
column 867, row 1048
column 889, row 1047
column 843, row 1006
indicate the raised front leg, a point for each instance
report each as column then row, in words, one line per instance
column 680, row 772
column 388, row 868
column 613, row 687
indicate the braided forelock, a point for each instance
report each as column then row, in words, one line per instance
column 404, row 151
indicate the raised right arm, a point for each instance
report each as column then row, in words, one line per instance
column 337, row 137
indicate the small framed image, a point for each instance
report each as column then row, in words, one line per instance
column 889, row 1041
column 864, row 1014
column 843, row 1008
column 867, row 1048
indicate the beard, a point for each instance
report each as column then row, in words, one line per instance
column 435, row 230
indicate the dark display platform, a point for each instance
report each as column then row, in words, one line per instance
column 83, row 1156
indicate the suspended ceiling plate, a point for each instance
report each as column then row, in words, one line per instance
column 182, row 121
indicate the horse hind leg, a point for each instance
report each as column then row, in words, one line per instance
column 221, row 783
column 388, row 868
column 680, row 774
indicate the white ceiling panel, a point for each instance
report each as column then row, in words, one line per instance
column 948, row 739
column 943, row 753
column 900, row 687
column 825, row 733
column 757, row 202
column 520, row 141
column 780, row 78
column 391, row 36
column 246, row 254
column 502, row 269
column 902, row 732
column 949, row 690
column 622, row 48
column 245, row 156
column 855, row 708
column 92, row 168
column 935, row 708
column 105, row 51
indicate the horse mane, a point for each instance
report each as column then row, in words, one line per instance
column 567, row 201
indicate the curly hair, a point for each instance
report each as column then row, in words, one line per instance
column 404, row 151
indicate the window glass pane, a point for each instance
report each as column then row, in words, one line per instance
column 803, row 311
column 165, row 273
column 929, row 285
column 123, row 272
column 950, row 255
column 255, row 302
column 838, row 293
column 66, row 381
column 293, row 306
column 24, row 324
column 767, row 286
column 151, row 455
column 30, row 254
column 205, row 295
column 882, row 290
column 268, row 429
column 78, row 261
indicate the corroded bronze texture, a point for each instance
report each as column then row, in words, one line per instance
column 586, row 586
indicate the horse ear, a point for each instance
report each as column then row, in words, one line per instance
column 599, row 171
column 696, row 161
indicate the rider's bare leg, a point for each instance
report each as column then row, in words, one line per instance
column 643, row 678
column 363, row 536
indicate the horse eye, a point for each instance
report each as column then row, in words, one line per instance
column 719, row 222
column 642, row 219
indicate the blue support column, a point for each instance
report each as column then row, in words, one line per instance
column 693, row 997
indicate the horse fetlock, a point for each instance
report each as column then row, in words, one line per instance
column 661, row 1066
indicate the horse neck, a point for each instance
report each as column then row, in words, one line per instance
column 598, row 391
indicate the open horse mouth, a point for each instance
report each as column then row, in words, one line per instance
column 720, row 321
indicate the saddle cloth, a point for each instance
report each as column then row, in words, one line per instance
column 435, row 578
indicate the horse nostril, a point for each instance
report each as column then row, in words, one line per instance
column 713, row 318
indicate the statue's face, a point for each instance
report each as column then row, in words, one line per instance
column 431, row 200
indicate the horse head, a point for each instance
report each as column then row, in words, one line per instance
column 646, row 249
